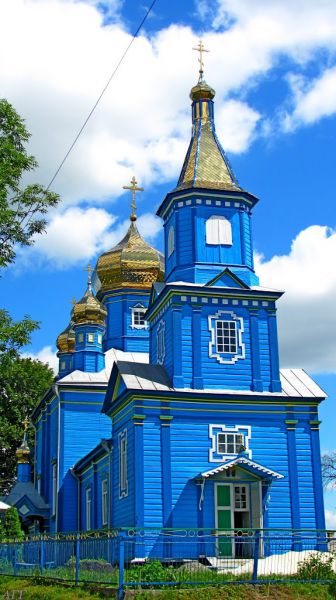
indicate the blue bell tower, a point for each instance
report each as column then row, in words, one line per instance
column 212, row 326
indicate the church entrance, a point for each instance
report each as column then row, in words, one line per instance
column 234, row 504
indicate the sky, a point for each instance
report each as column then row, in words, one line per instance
column 273, row 66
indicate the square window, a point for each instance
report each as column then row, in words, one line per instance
column 138, row 317
column 90, row 337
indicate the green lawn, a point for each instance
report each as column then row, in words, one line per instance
column 33, row 590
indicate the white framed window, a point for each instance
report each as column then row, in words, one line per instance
column 226, row 337
column 88, row 508
column 104, row 493
column 218, row 230
column 171, row 240
column 138, row 317
column 160, row 341
column 227, row 442
column 90, row 338
column 100, row 338
column 80, row 338
column 54, row 488
column 240, row 494
column 123, row 483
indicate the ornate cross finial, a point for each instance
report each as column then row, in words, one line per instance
column 25, row 424
column 200, row 48
column 88, row 269
column 133, row 189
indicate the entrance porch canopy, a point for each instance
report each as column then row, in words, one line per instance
column 245, row 463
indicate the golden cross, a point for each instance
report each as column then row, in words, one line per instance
column 89, row 271
column 200, row 48
column 73, row 301
column 133, row 189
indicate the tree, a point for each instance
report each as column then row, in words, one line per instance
column 22, row 210
column 12, row 527
column 329, row 468
column 23, row 382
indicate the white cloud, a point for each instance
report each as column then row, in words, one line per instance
column 312, row 99
column 306, row 313
column 330, row 519
column 46, row 355
column 80, row 234
column 53, row 75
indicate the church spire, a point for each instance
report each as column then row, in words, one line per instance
column 206, row 164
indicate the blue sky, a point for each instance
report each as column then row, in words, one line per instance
column 274, row 71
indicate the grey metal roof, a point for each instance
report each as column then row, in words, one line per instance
column 295, row 382
column 140, row 376
column 22, row 489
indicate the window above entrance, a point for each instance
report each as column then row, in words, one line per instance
column 227, row 442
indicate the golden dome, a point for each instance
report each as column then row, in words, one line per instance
column 132, row 263
column 202, row 91
column 23, row 452
column 88, row 310
column 66, row 340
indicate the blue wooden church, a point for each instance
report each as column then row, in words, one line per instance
column 169, row 409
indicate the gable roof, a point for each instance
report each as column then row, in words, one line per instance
column 27, row 490
column 244, row 463
column 227, row 279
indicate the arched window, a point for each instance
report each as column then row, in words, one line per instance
column 218, row 231
column 171, row 240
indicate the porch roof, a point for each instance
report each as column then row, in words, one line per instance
column 245, row 463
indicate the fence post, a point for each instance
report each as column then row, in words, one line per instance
column 14, row 559
column 77, row 557
column 121, row 564
column 256, row 555
column 42, row 556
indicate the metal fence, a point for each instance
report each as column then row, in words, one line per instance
column 140, row 558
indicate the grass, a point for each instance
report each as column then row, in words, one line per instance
column 38, row 589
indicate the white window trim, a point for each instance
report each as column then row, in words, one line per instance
column 88, row 505
column 54, row 488
column 160, row 342
column 213, row 341
column 105, row 501
column 141, row 308
column 171, row 241
column 123, row 481
column 90, row 338
column 214, row 430
column 218, row 231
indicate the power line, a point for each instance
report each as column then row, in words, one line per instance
column 101, row 94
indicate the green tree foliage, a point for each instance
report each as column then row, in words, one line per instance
column 22, row 209
column 14, row 334
column 23, row 382
column 12, row 526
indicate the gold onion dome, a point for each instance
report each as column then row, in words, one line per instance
column 88, row 309
column 66, row 340
column 132, row 263
column 202, row 91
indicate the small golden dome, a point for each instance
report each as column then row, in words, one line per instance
column 88, row 310
column 202, row 91
column 23, row 452
column 132, row 263
column 66, row 340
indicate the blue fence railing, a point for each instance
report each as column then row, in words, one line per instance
column 181, row 557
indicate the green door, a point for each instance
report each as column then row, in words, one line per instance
column 223, row 496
